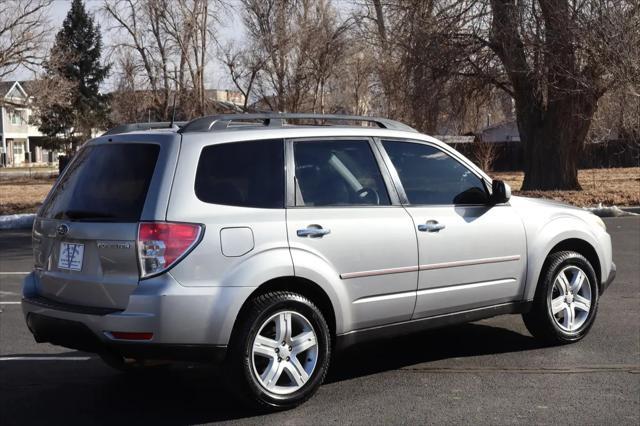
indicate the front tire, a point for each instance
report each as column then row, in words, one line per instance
column 279, row 354
column 566, row 300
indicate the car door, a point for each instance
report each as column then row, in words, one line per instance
column 342, row 213
column 471, row 254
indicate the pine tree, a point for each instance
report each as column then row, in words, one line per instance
column 74, row 65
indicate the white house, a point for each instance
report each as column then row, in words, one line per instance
column 18, row 135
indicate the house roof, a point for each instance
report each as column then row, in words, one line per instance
column 500, row 124
column 7, row 86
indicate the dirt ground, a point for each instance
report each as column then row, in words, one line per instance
column 23, row 195
column 611, row 187
column 620, row 187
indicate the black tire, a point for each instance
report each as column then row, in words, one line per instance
column 540, row 320
column 239, row 371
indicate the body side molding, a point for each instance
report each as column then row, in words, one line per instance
column 455, row 264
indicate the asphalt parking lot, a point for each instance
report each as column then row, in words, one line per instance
column 488, row 372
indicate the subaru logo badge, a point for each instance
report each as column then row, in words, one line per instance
column 62, row 229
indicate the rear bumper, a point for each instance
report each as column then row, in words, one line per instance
column 190, row 323
column 612, row 275
column 76, row 335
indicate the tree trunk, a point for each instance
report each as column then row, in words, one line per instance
column 549, row 164
column 552, row 128
column 553, row 140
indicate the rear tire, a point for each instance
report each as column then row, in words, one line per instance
column 279, row 354
column 566, row 300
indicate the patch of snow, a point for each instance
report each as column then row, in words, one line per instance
column 609, row 211
column 17, row 221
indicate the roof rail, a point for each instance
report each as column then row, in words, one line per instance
column 135, row 127
column 275, row 119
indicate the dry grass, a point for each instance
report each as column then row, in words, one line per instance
column 23, row 195
column 620, row 187
column 611, row 187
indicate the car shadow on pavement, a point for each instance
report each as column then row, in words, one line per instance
column 85, row 391
column 460, row 341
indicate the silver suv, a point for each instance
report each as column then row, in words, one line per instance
column 268, row 245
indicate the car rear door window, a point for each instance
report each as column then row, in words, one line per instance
column 104, row 183
column 337, row 173
column 432, row 177
column 244, row 174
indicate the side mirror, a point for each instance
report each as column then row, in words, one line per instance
column 500, row 192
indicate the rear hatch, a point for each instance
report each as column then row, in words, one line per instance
column 84, row 237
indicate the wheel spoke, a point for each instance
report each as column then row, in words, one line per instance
column 563, row 283
column 296, row 371
column 303, row 342
column 569, row 316
column 272, row 373
column 576, row 282
column 264, row 346
column 283, row 327
column 581, row 303
column 558, row 304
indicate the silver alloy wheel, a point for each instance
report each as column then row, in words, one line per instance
column 284, row 352
column 570, row 298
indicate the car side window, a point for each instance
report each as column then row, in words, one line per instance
column 432, row 177
column 337, row 173
column 244, row 174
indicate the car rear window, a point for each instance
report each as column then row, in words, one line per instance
column 104, row 183
column 245, row 174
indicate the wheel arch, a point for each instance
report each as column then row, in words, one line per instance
column 582, row 247
column 563, row 233
column 300, row 285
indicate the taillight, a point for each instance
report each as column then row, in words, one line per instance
column 162, row 244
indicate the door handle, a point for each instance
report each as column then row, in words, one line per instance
column 313, row 231
column 431, row 226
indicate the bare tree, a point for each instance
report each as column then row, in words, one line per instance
column 137, row 27
column 24, row 30
column 560, row 56
column 485, row 153
column 555, row 58
column 328, row 49
column 243, row 65
column 173, row 41
column 301, row 42
column 419, row 69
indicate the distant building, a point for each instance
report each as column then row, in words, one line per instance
column 502, row 132
column 19, row 138
column 228, row 101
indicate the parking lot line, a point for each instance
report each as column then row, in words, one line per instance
column 10, row 303
column 15, row 273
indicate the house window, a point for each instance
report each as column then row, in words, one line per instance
column 16, row 118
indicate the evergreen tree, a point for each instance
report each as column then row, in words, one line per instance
column 74, row 65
